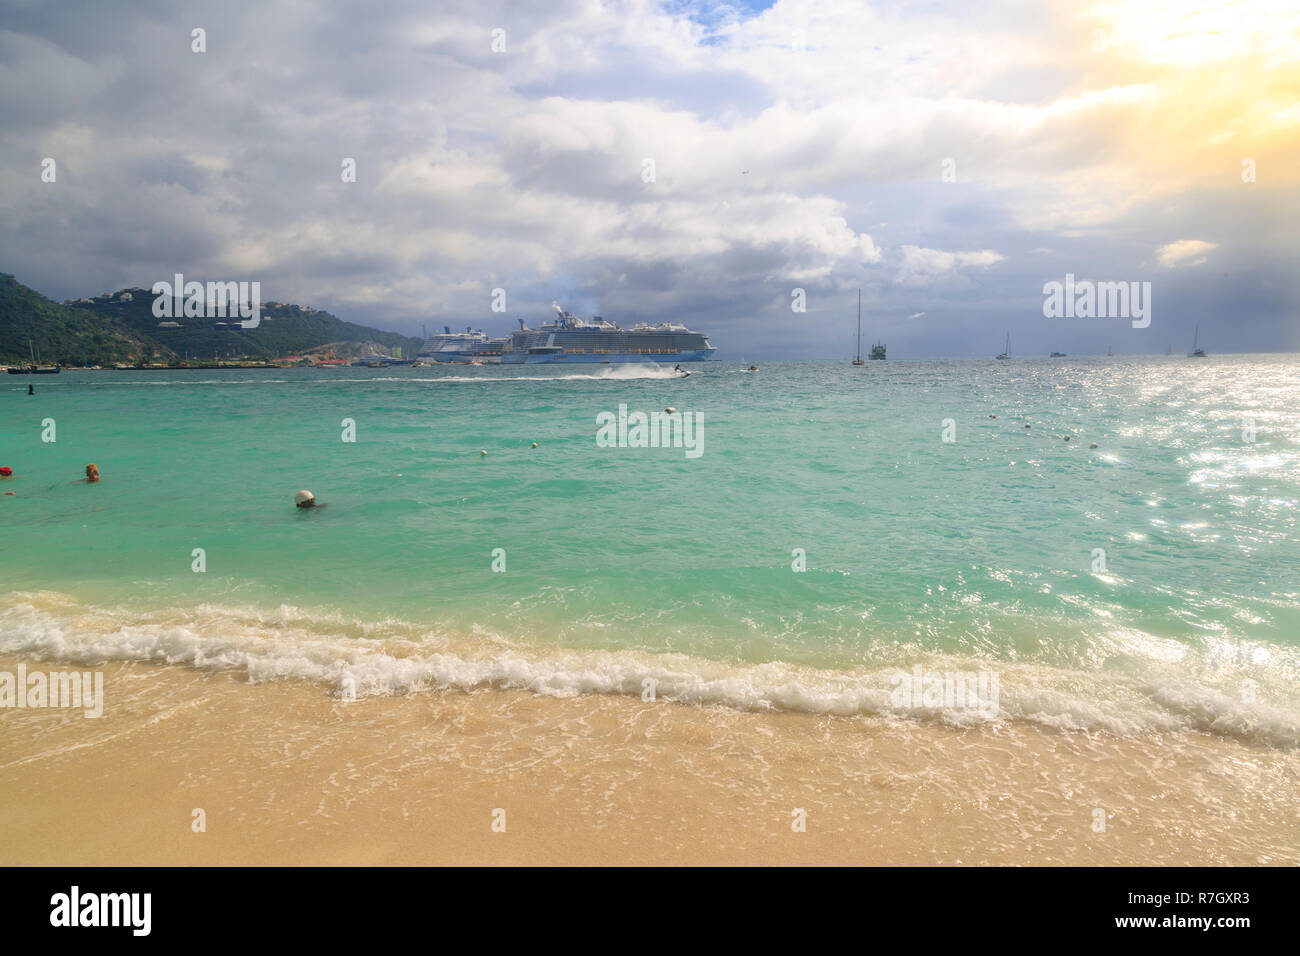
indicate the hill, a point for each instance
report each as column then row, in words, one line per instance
column 60, row 334
column 121, row 327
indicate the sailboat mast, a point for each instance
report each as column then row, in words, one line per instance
column 859, row 355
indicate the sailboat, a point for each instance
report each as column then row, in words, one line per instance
column 1197, row 351
column 1006, row 354
column 1170, row 350
column 1109, row 352
column 857, row 359
column 36, row 368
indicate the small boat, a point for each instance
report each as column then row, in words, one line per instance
column 1006, row 354
column 1058, row 355
column 1197, row 351
column 34, row 368
column 857, row 358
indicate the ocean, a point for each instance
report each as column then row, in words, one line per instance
column 832, row 529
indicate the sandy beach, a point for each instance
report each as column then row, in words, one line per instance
column 287, row 774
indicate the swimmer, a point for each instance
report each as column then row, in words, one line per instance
column 92, row 473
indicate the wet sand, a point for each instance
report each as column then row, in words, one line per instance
column 287, row 774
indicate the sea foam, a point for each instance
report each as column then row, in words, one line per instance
column 393, row 658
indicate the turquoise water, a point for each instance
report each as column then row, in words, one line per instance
column 625, row 562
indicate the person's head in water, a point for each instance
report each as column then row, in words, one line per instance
column 305, row 499
column 92, row 473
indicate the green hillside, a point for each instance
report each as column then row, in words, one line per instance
column 60, row 333
column 121, row 327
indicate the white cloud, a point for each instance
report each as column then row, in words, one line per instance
column 1184, row 252
column 921, row 266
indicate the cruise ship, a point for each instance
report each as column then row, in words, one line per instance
column 467, row 346
column 572, row 340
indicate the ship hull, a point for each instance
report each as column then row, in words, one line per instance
column 463, row 358
column 604, row 358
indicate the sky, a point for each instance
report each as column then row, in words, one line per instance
column 706, row 163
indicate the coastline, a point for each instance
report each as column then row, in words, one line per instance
column 288, row 774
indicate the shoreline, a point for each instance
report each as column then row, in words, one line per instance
column 285, row 773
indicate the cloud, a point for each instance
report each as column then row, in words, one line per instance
column 922, row 265
column 1184, row 252
column 525, row 169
